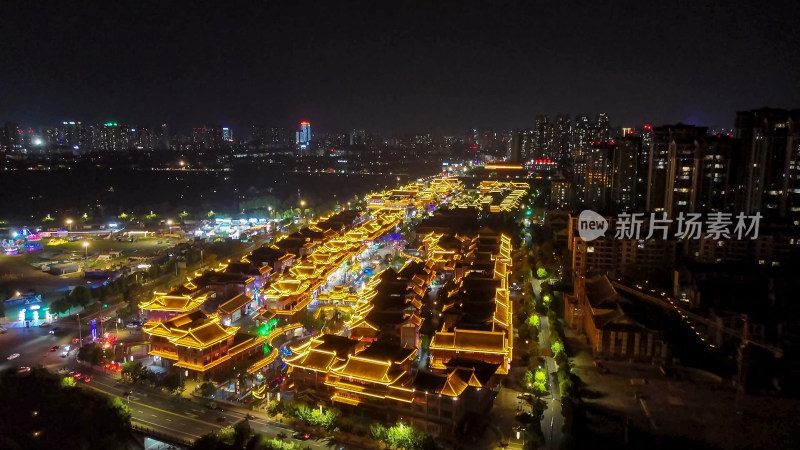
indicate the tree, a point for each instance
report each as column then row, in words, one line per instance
column 207, row 389
column 135, row 371
column 567, row 388
column 378, row 432
column 533, row 321
column 325, row 418
column 562, row 360
column 68, row 382
column 557, row 347
column 64, row 417
column 91, row 353
column 241, row 433
column 274, row 408
column 551, row 318
column 60, row 306
column 401, row 436
column 539, row 382
column 174, row 383
column 310, row 323
column 527, row 379
column 80, row 296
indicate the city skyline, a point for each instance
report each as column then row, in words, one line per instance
column 412, row 225
column 360, row 67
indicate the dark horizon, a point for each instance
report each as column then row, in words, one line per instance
column 383, row 68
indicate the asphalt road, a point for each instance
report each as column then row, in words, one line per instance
column 552, row 420
column 33, row 345
column 185, row 419
column 150, row 408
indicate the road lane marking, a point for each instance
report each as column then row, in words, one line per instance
column 157, row 409
column 158, row 425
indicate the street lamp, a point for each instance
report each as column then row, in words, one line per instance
column 86, row 248
column 80, row 336
column 69, row 222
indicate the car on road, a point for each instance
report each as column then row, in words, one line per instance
column 23, row 369
column 44, row 324
column 86, row 379
column 301, row 436
column 525, row 397
column 77, row 375
column 132, row 326
column 13, row 356
column 54, row 330
column 75, row 340
column 53, row 348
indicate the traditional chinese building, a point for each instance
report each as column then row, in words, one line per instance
column 377, row 381
column 476, row 313
column 236, row 308
column 617, row 326
column 185, row 298
column 199, row 344
column 296, row 287
column 389, row 306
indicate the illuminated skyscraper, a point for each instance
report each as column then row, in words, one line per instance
column 624, row 165
column 227, row 134
column 598, row 175
column 770, row 148
column 304, row 135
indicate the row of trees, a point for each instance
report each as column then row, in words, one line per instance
column 136, row 372
column 398, row 436
column 241, row 437
column 83, row 296
column 401, row 436
column 38, row 410
column 534, row 378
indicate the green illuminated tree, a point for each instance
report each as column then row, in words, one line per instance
column 378, row 431
column 68, row 382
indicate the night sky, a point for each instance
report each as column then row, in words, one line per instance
column 434, row 65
